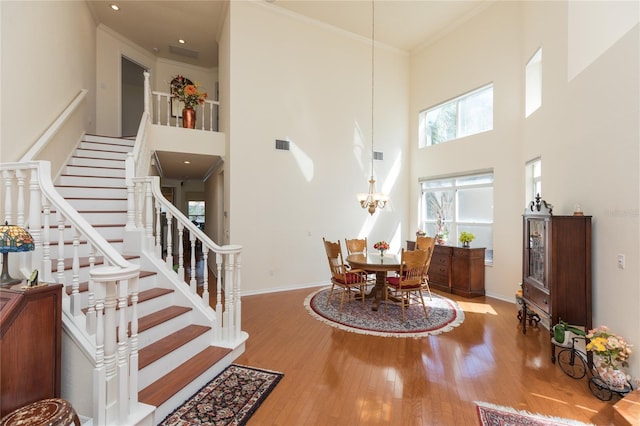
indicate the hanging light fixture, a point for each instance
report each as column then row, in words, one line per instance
column 372, row 199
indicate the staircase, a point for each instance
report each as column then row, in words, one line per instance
column 176, row 356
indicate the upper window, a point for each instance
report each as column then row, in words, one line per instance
column 461, row 203
column 465, row 115
column 533, row 174
column 533, row 83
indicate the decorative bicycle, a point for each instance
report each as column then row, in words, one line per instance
column 577, row 364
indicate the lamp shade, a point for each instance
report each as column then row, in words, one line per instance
column 14, row 239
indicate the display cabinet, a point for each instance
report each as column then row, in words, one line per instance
column 556, row 266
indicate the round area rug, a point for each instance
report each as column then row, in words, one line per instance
column 442, row 315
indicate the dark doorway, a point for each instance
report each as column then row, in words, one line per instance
column 132, row 96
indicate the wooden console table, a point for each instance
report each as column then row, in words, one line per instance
column 456, row 270
column 30, row 344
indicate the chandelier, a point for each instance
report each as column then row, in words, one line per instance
column 372, row 199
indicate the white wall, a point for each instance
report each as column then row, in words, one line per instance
column 314, row 89
column 48, row 56
column 485, row 49
column 586, row 133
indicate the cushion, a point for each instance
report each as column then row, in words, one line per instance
column 350, row 278
column 395, row 282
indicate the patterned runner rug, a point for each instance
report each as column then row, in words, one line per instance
column 443, row 315
column 229, row 399
column 496, row 415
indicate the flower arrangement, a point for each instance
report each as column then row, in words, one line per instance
column 612, row 352
column 613, row 349
column 382, row 246
column 187, row 92
column 442, row 233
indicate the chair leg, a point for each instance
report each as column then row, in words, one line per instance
column 330, row 294
column 426, row 284
column 362, row 295
column 342, row 300
column 402, row 304
column 424, row 308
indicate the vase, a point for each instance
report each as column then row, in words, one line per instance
column 465, row 244
column 614, row 378
column 189, row 118
column 381, row 253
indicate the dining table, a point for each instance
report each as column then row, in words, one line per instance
column 380, row 265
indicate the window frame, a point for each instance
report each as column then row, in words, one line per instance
column 533, row 83
column 424, row 140
column 455, row 183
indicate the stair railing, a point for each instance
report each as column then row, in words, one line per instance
column 31, row 201
column 160, row 239
column 163, row 111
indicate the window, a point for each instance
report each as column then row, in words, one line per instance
column 533, row 83
column 461, row 203
column 196, row 213
column 533, row 178
column 463, row 116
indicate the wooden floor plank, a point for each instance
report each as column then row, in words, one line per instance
column 337, row 377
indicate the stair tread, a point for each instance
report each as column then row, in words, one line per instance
column 158, row 317
column 70, row 242
column 84, row 261
column 162, row 389
column 84, row 286
column 95, row 167
column 168, row 344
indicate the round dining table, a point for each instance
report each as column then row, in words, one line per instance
column 381, row 265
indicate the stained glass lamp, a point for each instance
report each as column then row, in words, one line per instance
column 12, row 239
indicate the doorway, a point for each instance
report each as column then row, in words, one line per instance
column 132, row 97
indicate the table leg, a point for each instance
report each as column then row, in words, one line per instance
column 378, row 289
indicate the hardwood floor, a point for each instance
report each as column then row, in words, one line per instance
column 334, row 377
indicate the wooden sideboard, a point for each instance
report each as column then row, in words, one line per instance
column 456, row 270
column 30, row 345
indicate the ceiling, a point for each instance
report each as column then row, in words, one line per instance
column 157, row 26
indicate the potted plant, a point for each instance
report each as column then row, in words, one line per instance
column 562, row 333
column 465, row 238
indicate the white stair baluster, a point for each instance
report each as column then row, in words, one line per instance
column 8, row 175
column 60, row 277
column 193, row 282
column 45, row 269
column 169, row 259
column 20, row 175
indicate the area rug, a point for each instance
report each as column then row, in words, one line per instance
column 496, row 415
column 229, row 399
column 443, row 315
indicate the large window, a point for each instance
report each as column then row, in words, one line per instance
column 465, row 115
column 461, row 203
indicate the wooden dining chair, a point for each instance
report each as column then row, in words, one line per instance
column 427, row 244
column 422, row 243
column 409, row 280
column 359, row 246
column 356, row 245
column 347, row 279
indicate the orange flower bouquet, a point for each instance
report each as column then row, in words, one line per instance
column 187, row 92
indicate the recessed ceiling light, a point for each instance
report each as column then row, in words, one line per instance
column 115, row 7
column 187, row 162
column 181, row 41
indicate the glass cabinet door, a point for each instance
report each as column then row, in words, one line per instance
column 536, row 262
